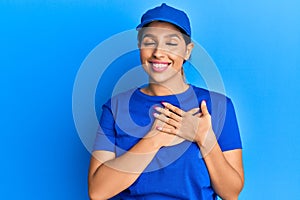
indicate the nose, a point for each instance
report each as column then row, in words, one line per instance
column 159, row 51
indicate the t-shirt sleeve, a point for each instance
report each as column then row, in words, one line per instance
column 105, row 137
column 229, row 137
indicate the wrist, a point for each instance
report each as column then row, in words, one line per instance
column 209, row 142
column 152, row 141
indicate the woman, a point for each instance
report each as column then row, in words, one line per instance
column 168, row 140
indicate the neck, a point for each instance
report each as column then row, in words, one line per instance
column 164, row 89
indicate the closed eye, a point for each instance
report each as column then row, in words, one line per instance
column 171, row 44
column 149, row 43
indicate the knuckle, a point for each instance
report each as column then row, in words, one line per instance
column 168, row 113
column 159, row 117
column 173, row 123
column 169, row 120
column 173, row 115
column 178, row 127
column 179, row 119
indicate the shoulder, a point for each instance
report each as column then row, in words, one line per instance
column 211, row 96
column 119, row 97
column 124, row 95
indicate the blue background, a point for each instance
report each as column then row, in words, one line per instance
column 255, row 44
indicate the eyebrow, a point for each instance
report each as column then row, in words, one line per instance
column 173, row 35
column 169, row 36
column 148, row 35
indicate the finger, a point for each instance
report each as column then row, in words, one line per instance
column 194, row 111
column 166, row 120
column 164, row 125
column 174, row 109
column 204, row 108
column 169, row 114
column 167, row 130
column 198, row 115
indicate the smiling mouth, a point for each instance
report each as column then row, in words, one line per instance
column 159, row 66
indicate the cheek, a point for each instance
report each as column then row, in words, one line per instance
column 178, row 57
column 145, row 54
column 178, row 54
column 142, row 57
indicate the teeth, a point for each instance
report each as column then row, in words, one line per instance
column 159, row 65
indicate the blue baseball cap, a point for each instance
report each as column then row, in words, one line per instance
column 167, row 14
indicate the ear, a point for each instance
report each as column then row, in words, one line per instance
column 189, row 49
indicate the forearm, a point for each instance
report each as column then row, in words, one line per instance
column 226, row 181
column 117, row 174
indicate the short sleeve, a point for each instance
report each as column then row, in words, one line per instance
column 229, row 138
column 105, row 137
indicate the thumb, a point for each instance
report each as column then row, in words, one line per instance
column 204, row 108
column 194, row 111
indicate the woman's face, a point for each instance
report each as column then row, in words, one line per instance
column 162, row 51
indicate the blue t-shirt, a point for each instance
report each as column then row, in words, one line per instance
column 176, row 172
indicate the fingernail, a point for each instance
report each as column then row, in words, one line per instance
column 204, row 102
column 163, row 103
column 155, row 114
column 159, row 128
column 157, row 108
